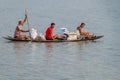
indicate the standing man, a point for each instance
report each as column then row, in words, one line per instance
column 49, row 33
column 19, row 30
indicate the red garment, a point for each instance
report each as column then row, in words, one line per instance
column 49, row 33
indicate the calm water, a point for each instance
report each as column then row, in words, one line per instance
column 99, row 60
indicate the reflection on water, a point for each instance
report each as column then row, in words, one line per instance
column 48, row 45
column 33, row 47
column 59, row 60
column 19, row 51
column 49, row 51
column 32, row 51
column 18, row 46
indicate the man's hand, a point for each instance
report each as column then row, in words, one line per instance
column 28, row 30
column 26, row 16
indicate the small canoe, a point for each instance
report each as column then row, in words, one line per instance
column 14, row 39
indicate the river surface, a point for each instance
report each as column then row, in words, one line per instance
column 89, row 60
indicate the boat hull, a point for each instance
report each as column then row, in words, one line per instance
column 13, row 39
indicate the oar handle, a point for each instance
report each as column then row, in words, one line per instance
column 27, row 19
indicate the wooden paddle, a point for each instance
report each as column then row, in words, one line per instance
column 28, row 26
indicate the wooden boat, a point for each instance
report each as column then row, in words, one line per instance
column 14, row 39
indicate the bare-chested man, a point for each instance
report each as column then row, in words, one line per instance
column 19, row 30
column 85, row 34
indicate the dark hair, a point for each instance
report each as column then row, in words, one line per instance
column 52, row 24
column 19, row 22
column 82, row 23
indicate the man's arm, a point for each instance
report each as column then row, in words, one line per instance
column 24, row 21
column 24, row 30
column 80, row 31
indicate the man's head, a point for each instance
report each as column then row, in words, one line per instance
column 82, row 25
column 52, row 25
column 20, row 22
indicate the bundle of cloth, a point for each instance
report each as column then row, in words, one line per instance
column 34, row 33
column 35, row 36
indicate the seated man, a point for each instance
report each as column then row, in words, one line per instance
column 49, row 33
column 82, row 33
column 19, row 30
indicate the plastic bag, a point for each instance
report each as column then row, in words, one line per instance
column 42, row 36
column 34, row 33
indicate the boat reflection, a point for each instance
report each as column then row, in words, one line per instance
column 19, row 51
column 18, row 47
column 49, row 51
column 49, row 46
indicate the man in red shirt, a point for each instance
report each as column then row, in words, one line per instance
column 49, row 33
